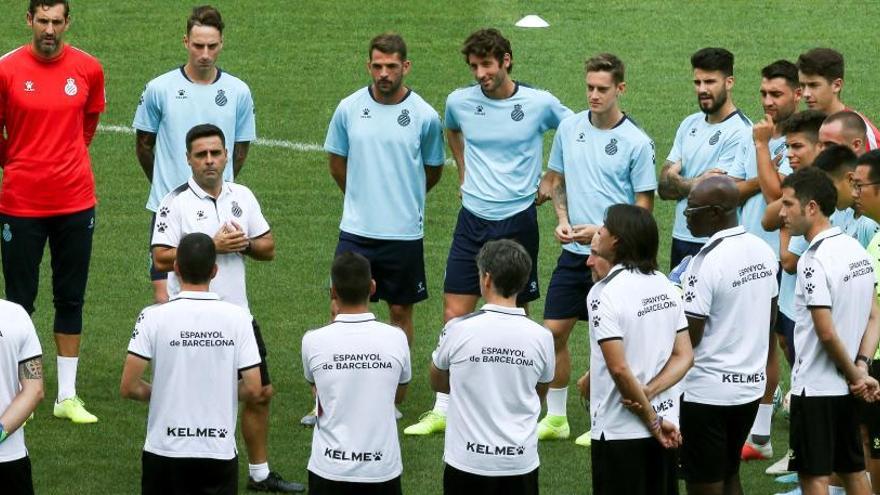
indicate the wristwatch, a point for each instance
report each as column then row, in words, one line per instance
column 868, row 361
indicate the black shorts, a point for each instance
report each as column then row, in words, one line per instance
column 713, row 439
column 261, row 347
column 569, row 285
column 869, row 416
column 154, row 274
column 70, row 246
column 785, row 328
column 323, row 486
column 471, row 232
column 188, row 476
column 398, row 267
column 16, row 478
column 824, row 436
column 458, row 482
column 681, row 250
column 633, row 467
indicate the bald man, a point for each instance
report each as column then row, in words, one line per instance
column 845, row 128
column 730, row 294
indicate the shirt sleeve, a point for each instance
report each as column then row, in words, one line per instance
column 699, row 288
column 29, row 347
column 549, row 352
column 256, row 224
column 556, row 162
column 798, row 245
column 449, row 115
column 642, row 172
column 141, row 343
column 441, row 357
column 337, row 133
column 675, row 152
column 433, row 146
column 245, row 120
column 247, row 354
column 306, row 358
column 731, row 150
column 556, row 113
column 97, row 99
column 814, row 283
column 148, row 115
column 738, row 167
column 604, row 321
column 167, row 231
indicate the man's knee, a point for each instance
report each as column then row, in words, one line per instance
column 68, row 317
column 400, row 313
column 561, row 330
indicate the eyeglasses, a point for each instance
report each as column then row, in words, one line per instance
column 694, row 209
column 857, row 186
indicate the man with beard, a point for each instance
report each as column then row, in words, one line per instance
column 707, row 143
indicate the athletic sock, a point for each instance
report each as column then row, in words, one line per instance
column 66, row 377
column 760, row 433
column 836, row 490
column 259, row 472
column 557, row 398
column 441, row 403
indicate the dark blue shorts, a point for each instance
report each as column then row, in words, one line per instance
column 398, row 266
column 569, row 285
column 471, row 232
column 682, row 249
column 785, row 328
column 154, row 274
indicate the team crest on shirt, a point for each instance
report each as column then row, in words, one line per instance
column 517, row 114
column 479, row 110
column 403, row 119
column 7, row 232
column 611, row 147
column 582, row 137
column 220, row 99
column 715, row 137
column 365, row 113
column 70, row 88
column 29, row 87
column 236, row 210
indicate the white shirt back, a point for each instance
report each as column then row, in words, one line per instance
column 495, row 358
column 835, row 272
column 730, row 284
column 356, row 364
column 18, row 343
column 197, row 345
column 645, row 312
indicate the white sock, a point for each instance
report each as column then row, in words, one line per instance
column 441, row 403
column 763, row 420
column 66, row 377
column 836, row 490
column 557, row 399
column 259, row 472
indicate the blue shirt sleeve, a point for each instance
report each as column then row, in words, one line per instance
column 148, row 115
column 556, row 113
column 675, row 152
column 642, row 174
column 337, row 133
column 449, row 115
column 557, row 161
column 433, row 147
column 245, row 122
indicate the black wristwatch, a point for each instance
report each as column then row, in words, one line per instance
column 861, row 357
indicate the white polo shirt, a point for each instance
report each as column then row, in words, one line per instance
column 197, row 345
column 495, row 358
column 645, row 312
column 189, row 209
column 835, row 272
column 730, row 284
column 356, row 364
column 18, row 343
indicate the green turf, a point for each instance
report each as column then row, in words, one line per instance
column 300, row 58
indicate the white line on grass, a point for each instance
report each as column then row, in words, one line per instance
column 272, row 143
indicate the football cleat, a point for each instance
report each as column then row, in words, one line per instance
column 585, row 440
column 754, row 452
column 74, row 409
column 553, row 428
column 429, row 422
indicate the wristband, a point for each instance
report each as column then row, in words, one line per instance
column 3, row 433
column 865, row 359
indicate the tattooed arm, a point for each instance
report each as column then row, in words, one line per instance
column 30, row 375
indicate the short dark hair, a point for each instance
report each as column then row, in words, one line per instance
column 782, row 69
column 836, row 159
column 871, row 159
column 196, row 256
column 637, row 236
column 852, row 123
column 812, row 184
column 807, row 123
column 509, row 264
column 713, row 59
column 32, row 6
column 487, row 42
column 606, row 62
column 205, row 15
column 823, row 62
column 389, row 44
column 351, row 277
column 202, row 131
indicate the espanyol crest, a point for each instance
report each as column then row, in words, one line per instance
column 714, row 139
column 220, row 99
column 611, row 147
column 517, row 114
column 236, row 210
column 70, row 88
column 403, row 119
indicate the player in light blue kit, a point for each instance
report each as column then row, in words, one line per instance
column 173, row 103
column 600, row 157
column 706, row 143
column 495, row 130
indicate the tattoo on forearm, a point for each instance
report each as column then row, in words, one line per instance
column 672, row 184
column 560, row 197
column 31, row 369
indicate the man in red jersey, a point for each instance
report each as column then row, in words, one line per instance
column 51, row 95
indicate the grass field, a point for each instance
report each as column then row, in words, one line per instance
column 300, row 59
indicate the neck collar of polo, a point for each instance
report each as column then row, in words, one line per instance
column 192, row 294
column 833, row 231
column 201, row 192
column 354, row 317
column 503, row 309
column 732, row 231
